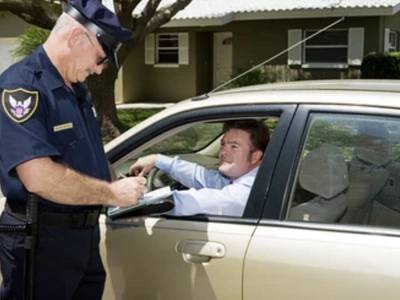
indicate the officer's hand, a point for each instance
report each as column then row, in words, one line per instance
column 143, row 165
column 128, row 190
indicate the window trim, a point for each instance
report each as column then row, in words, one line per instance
column 151, row 50
column 158, row 48
column 324, row 64
column 391, row 47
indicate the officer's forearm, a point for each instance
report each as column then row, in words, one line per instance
column 60, row 184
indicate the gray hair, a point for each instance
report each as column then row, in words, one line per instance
column 64, row 24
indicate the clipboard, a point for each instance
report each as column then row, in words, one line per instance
column 154, row 202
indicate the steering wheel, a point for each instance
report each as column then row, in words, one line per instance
column 157, row 179
column 150, row 179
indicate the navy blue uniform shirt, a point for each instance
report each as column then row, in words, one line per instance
column 40, row 116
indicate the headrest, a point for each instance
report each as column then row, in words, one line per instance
column 324, row 172
column 372, row 145
column 102, row 22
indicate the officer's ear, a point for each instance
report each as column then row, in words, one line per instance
column 75, row 37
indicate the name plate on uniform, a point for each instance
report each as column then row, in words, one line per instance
column 63, row 126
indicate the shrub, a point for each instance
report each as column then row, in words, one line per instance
column 381, row 66
column 29, row 41
column 267, row 74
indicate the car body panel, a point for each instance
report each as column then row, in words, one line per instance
column 158, row 239
column 291, row 261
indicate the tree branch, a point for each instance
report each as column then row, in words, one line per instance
column 36, row 12
column 149, row 10
column 125, row 14
column 164, row 15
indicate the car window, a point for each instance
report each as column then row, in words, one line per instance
column 199, row 143
column 348, row 171
column 189, row 140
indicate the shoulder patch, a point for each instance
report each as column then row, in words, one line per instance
column 20, row 104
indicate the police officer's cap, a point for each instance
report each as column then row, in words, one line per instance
column 102, row 22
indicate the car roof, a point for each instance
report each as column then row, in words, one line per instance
column 372, row 93
column 348, row 84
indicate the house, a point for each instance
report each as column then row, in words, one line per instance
column 203, row 44
column 10, row 27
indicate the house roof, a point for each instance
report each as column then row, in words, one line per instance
column 221, row 12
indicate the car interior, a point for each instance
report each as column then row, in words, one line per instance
column 198, row 143
column 335, row 185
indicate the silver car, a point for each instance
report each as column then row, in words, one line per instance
column 321, row 222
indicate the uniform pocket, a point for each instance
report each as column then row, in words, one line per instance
column 68, row 137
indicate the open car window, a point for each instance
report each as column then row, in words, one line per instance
column 198, row 143
column 190, row 140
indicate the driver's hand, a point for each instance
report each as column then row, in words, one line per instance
column 143, row 165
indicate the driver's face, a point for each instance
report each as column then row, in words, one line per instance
column 235, row 154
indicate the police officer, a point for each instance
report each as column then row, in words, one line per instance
column 52, row 147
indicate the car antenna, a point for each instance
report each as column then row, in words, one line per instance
column 205, row 96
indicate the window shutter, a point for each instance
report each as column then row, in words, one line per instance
column 386, row 40
column 294, row 55
column 149, row 50
column 183, row 48
column 356, row 46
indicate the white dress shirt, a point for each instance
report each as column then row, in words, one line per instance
column 210, row 192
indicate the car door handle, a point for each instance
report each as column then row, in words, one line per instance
column 194, row 251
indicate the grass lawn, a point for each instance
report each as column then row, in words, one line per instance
column 131, row 117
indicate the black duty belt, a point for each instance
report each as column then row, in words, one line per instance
column 74, row 220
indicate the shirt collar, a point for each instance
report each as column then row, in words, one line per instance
column 251, row 174
column 52, row 76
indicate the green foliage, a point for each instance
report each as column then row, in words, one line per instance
column 29, row 41
column 267, row 74
column 254, row 77
column 339, row 135
column 132, row 117
column 381, row 66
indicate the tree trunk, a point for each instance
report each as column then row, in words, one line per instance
column 102, row 89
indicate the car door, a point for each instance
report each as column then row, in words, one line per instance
column 330, row 226
column 193, row 257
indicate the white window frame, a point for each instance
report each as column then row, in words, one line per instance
column 158, row 48
column 325, row 64
column 152, row 50
column 393, row 41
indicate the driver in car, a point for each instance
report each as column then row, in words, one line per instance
column 216, row 192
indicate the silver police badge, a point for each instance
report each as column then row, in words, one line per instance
column 20, row 104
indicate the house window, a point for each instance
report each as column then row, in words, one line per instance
column 167, row 49
column 393, row 40
column 330, row 46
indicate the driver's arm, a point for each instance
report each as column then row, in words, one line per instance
column 190, row 174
